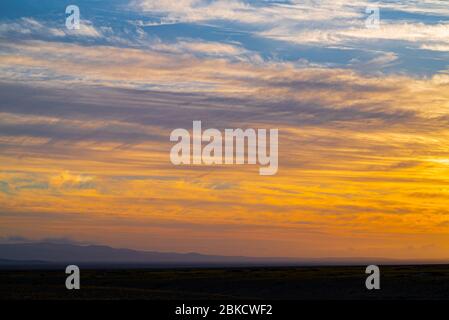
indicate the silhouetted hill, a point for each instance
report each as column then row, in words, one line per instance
column 95, row 254
column 55, row 253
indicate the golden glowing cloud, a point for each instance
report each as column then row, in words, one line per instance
column 363, row 160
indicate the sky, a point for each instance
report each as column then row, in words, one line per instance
column 362, row 113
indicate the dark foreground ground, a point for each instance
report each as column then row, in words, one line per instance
column 298, row 283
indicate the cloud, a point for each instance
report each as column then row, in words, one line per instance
column 418, row 34
column 324, row 24
column 426, row 7
column 230, row 51
column 280, row 13
column 86, row 29
column 336, row 21
column 310, row 95
column 270, row 12
column 30, row 28
column 382, row 60
column 84, row 128
column 68, row 180
column 444, row 47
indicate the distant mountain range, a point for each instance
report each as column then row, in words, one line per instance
column 96, row 254
column 47, row 254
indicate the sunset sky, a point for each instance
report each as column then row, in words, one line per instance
column 363, row 119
